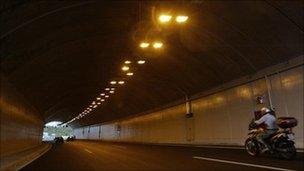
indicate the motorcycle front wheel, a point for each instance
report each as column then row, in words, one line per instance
column 289, row 150
column 252, row 147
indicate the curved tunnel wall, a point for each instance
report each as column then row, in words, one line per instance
column 220, row 118
column 21, row 125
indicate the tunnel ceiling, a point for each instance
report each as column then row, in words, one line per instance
column 60, row 55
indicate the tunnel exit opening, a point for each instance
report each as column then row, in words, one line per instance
column 56, row 129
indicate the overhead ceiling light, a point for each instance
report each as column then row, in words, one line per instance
column 125, row 68
column 93, row 102
column 129, row 74
column 181, row 18
column 121, row 82
column 107, row 96
column 164, row 18
column 128, row 62
column 144, row 45
column 111, row 91
column 141, row 61
column 157, row 45
column 98, row 98
column 112, row 88
column 102, row 100
column 98, row 103
column 94, row 106
column 113, row 82
column 91, row 105
column 102, row 94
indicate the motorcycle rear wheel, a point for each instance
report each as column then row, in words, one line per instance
column 252, row 147
column 290, row 152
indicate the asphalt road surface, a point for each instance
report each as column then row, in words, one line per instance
column 96, row 155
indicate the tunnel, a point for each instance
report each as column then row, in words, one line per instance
column 152, row 85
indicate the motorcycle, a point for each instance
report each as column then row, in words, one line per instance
column 280, row 144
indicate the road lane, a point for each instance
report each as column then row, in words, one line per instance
column 96, row 155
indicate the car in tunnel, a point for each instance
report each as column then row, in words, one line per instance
column 71, row 138
column 59, row 140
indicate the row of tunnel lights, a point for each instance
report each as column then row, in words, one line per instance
column 167, row 18
column 101, row 98
column 163, row 19
column 126, row 68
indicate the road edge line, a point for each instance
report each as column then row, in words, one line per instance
column 241, row 163
column 48, row 147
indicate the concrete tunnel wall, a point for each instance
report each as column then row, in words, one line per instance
column 220, row 118
column 21, row 125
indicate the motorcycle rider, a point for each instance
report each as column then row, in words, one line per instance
column 268, row 119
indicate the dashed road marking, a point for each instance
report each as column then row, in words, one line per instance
column 220, row 147
column 88, row 151
column 240, row 163
column 119, row 146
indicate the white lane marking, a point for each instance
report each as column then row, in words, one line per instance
column 88, row 151
column 244, row 164
column 119, row 146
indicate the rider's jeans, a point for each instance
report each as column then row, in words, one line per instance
column 267, row 133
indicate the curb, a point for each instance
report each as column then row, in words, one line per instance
column 23, row 161
column 234, row 147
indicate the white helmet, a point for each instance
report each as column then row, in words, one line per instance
column 265, row 110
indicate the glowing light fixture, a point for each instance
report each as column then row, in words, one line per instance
column 91, row 105
column 107, row 89
column 102, row 94
column 94, row 106
column 164, row 18
column 112, row 92
column 98, row 98
column 125, row 68
column 129, row 74
column 107, row 96
column 144, row 45
column 121, row 82
column 128, row 62
column 102, row 100
column 157, row 45
column 181, row 18
column 141, row 62
column 93, row 102
column 113, row 82
column 113, row 88
column 98, row 103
